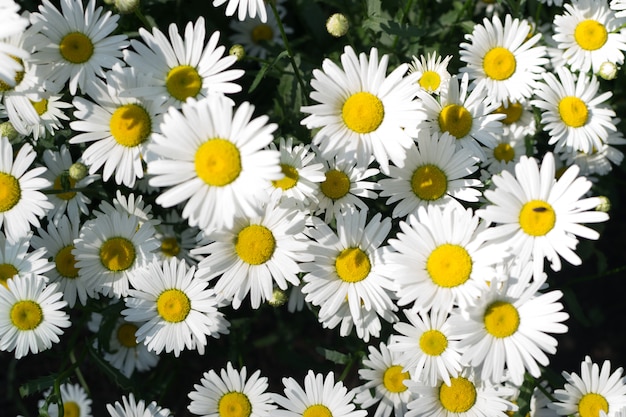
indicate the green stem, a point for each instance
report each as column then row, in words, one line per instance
column 143, row 19
column 405, row 14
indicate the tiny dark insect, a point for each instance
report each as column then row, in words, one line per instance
column 540, row 209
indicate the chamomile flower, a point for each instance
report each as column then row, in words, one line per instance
column 256, row 254
column 344, row 184
column 362, row 111
column 426, row 348
column 594, row 393
column 129, row 407
column 462, row 113
column 504, row 155
column 244, row 8
column 506, row 333
column 432, row 71
column 348, row 266
column 177, row 310
column 72, row 203
column 503, row 59
column 75, row 44
column 177, row 239
column 31, row 315
column 58, row 241
column 111, row 250
column 231, row 394
column 182, row 68
column 21, row 201
column 132, row 204
column 76, row 402
column 321, row 396
column 11, row 23
column 211, row 155
column 384, row 379
column 441, row 258
column 433, row 173
column 16, row 260
column 573, row 111
column 119, row 128
column 253, row 34
column 589, row 34
column 519, row 119
column 599, row 161
column 539, row 217
column 50, row 108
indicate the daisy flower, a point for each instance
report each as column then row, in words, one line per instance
column 177, row 239
column 72, row 203
column 129, row 407
column 503, row 59
column 50, row 109
column 253, row 34
column 31, row 315
column 16, row 260
column 600, row 160
column 462, row 113
column 256, row 254
column 244, row 8
column 348, row 266
column 539, row 217
column 343, row 186
column 75, row 44
column 111, row 250
column 465, row 396
column 76, row 402
column 231, row 394
column 211, row 155
column 177, row 310
column 182, row 68
column 119, row 128
column 433, row 173
column 573, row 112
column 441, row 258
column 131, row 205
column 595, row 392
column 362, row 111
column 21, row 202
column 519, row 119
column 384, row 383
column 589, row 34
column 11, row 23
column 58, row 241
column 426, row 347
column 431, row 71
column 504, row 155
column 507, row 329
column 321, row 396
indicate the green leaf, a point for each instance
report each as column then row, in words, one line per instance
column 264, row 68
column 115, row 375
column 333, row 356
column 37, row 385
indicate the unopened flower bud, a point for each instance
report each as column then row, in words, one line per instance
column 126, row 6
column 8, row 130
column 78, row 171
column 605, row 204
column 337, row 25
column 608, row 70
column 278, row 298
column 238, row 51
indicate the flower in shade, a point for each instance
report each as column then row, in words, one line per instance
column 76, row 401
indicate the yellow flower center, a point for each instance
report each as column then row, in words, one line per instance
column 173, row 305
column 363, row 112
column 590, row 35
column 59, row 186
column 336, row 184
column 26, row 315
column 433, row 342
column 218, row 162
column 169, row 246
column 66, row 263
column 456, row 120
column 130, row 125
column 76, row 47
column 126, row 335
column 117, row 254
column 430, row 80
column 449, row 265
column 504, row 152
column 590, row 405
column 234, row 404
column 183, row 82
column 255, row 244
column 512, row 113
column 70, row 409
column 429, row 182
column 573, row 111
column 40, row 106
column 393, row 379
column 499, row 63
column 19, row 76
column 501, row 319
column 7, row 271
column 290, row 179
column 317, row 410
column 537, row 218
column 352, row 265
column 10, row 192
column 262, row 33
column 459, row 397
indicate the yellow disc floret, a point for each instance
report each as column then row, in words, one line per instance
column 449, row 265
column 10, row 192
column 26, row 315
column 504, row 152
column 499, row 63
column 261, row 32
column 433, row 342
column 393, row 379
column 537, row 218
column 183, row 82
column 430, row 81
column 255, row 244
column 429, row 182
column 590, row 35
column 234, row 404
column 501, row 319
column 336, row 184
column 59, row 186
column 117, row 254
column 130, row 125
column 76, row 47
column 513, row 112
column 590, row 405
column 573, row 111
column 218, row 162
column 126, row 335
column 173, row 305
column 170, row 247
column 7, row 271
column 459, row 397
column 289, row 180
column 352, row 265
column 363, row 112
column 65, row 262
column 456, row 120
column 317, row 410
